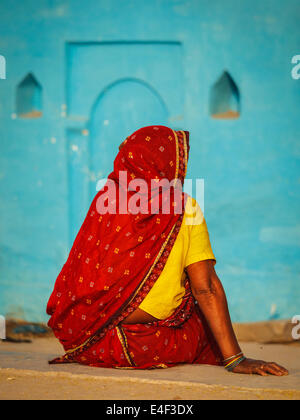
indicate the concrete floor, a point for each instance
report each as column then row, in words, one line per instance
column 25, row 374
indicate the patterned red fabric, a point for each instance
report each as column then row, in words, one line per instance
column 116, row 258
column 156, row 345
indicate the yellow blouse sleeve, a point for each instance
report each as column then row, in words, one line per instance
column 199, row 242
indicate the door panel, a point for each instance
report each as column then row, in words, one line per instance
column 112, row 89
column 120, row 110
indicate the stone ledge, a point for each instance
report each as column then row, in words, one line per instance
column 279, row 331
column 25, row 374
column 63, row 385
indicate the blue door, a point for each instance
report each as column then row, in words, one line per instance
column 113, row 89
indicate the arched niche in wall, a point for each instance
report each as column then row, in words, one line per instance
column 29, row 98
column 225, row 98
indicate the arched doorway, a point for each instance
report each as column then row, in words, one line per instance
column 121, row 108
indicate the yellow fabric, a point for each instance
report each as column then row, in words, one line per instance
column 192, row 245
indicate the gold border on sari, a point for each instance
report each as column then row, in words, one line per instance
column 185, row 152
column 124, row 344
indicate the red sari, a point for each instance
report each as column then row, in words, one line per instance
column 116, row 259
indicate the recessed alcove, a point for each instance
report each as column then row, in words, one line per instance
column 29, row 98
column 225, row 98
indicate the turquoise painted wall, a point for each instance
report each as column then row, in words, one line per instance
column 104, row 68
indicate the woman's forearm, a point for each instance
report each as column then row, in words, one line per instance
column 215, row 309
column 210, row 295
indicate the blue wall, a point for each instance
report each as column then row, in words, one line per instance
column 103, row 69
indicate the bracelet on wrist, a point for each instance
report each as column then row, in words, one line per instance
column 232, row 357
column 234, row 363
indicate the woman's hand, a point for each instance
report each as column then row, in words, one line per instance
column 209, row 293
column 259, row 367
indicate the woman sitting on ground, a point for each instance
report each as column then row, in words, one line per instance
column 139, row 289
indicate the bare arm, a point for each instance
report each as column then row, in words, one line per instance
column 209, row 293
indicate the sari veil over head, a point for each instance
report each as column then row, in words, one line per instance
column 116, row 258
